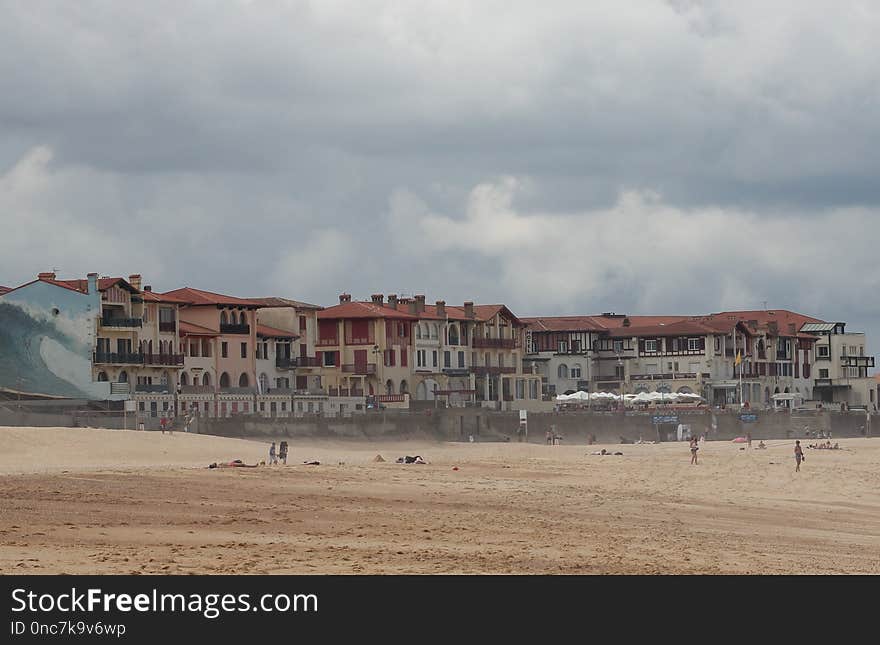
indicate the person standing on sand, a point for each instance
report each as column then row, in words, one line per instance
column 749, row 438
column 282, row 452
column 272, row 458
column 694, row 448
column 798, row 455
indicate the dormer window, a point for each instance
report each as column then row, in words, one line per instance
column 650, row 345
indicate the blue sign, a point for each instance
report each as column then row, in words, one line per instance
column 748, row 418
column 656, row 420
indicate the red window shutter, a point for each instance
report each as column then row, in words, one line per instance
column 392, row 357
column 403, row 354
column 320, row 357
column 328, row 329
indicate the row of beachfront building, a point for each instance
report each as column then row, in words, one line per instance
column 195, row 351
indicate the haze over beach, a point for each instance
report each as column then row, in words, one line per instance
column 113, row 501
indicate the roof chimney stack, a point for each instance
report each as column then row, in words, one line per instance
column 626, row 322
column 413, row 306
column 148, row 288
column 344, row 297
column 420, row 304
column 392, row 301
column 46, row 275
column 378, row 299
column 469, row 310
column 441, row 308
column 135, row 280
column 93, row 282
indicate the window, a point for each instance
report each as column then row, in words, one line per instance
column 329, row 359
column 223, row 319
column 823, row 350
column 693, row 344
column 562, row 371
column 618, row 346
column 533, row 389
column 244, row 350
column 447, row 359
column 194, row 349
column 264, row 383
column 717, row 343
column 420, row 358
column 520, row 388
column 575, row 371
column 650, row 345
column 302, row 324
column 243, row 380
column 206, row 348
column 434, row 358
column 562, row 348
column 166, row 315
column 852, row 350
column 619, row 372
column 224, row 349
column 453, row 335
column 823, row 373
column 461, row 359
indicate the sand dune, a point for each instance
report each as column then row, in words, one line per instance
column 134, row 502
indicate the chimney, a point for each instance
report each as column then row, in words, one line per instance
column 413, row 306
column 344, row 297
column 392, row 301
column 135, row 280
column 46, row 275
column 148, row 288
column 93, row 282
column 378, row 299
column 626, row 322
column 420, row 304
column 469, row 310
column 441, row 308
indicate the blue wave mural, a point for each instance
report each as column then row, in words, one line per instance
column 46, row 341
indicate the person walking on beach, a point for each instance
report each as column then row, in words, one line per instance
column 272, row 458
column 798, row 455
column 694, row 447
column 282, row 452
column 749, row 438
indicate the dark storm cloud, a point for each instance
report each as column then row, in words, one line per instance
column 306, row 148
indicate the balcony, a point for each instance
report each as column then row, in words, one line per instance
column 857, row 361
column 456, row 371
column 121, row 322
column 234, row 329
column 493, row 371
column 391, row 398
column 118, row 358
column 663, row 377
column 155, row 389
column 364, row 368
column 496, row 343
column 294, row 362
column 327, row 342
column 163, row 359
column 168, row 327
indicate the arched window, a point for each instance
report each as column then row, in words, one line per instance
column 664, row 389
column 404, row 387
column 102, row 377
column 242, row 319
column 685, row 390
column 576, row 370
column 562, row 371
column 418, row 331
column 487, row 359
column 206, row 379
column 453, row 335
column 184, row 379
column 123, row 376
column 224, row 380
column 243, row 380
column 389, row 387
column 223, row 319
column 264, row 383
column 433, row 331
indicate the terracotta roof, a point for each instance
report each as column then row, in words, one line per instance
column 283, row 302
column 4, row 290
column 83, row 285
column 782, row 317
column 150, row 296
column 362, row 310
column 679, row 328
column 199, row 297
column 272, row 332
column 563, row 323
column 190, row 329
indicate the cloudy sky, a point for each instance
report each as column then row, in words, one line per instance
column 660, row 157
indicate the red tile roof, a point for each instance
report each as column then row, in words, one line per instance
column 272, row 332
column 150, row 296
column 596, row 323
column 190, row 329
column 362, row 310
column 273, row 302
column 782, row 317
column 679, row 328
column 200, row 297
column 83, row 285
column 4, row 290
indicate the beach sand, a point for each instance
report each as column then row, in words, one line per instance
column 111, row 501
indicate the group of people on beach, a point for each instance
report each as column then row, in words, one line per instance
column 824, row 446
column 280, row 455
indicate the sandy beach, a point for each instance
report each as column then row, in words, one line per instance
column 112, row 501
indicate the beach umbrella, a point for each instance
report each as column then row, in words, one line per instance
column 740, row 440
